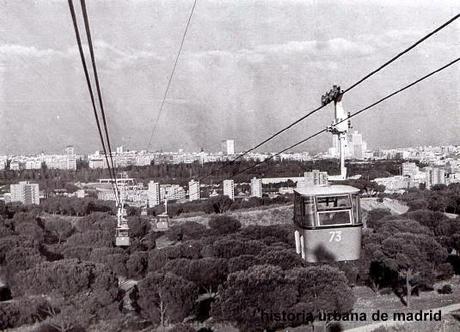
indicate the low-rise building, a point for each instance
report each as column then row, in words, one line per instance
column 394, row 183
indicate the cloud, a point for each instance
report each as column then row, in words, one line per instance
column 323, row 54
column 14, row 50
column 319, row 54
column 117, row 58
column 317, row 48
column 314, row 49
column 106, row 54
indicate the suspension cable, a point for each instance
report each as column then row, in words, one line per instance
column 90, row 89
column 171, row 75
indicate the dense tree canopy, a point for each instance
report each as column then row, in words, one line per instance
column 413, row 257
column 166, row 298
column 59, row 227
column 64, row 277
column 207, row 273
column 248, row 296
column 442, row 198
column 224, row 224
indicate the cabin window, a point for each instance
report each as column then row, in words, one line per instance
column 333, row 202
column 298, row 206
column 356, row 210
column 334, row 218
column 123, row 233
column 304, row 211
column 309, row 206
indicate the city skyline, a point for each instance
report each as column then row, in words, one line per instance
column 125, row 149
column 245, row 88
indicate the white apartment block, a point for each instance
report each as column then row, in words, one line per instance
column 434, row 175
column 172, row 192
column 25, row 192
column 153, row 194
column 97, row 162
column 228, row 147
column 409, row 169
column 194, row 190
column 67, row 162
column 256, row 187
column 229, row 189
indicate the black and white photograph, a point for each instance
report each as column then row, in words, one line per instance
column 229, row 165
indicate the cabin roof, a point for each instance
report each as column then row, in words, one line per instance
column 326, row 190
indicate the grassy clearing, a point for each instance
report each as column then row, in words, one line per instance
column 369, row 302
column 272, row 215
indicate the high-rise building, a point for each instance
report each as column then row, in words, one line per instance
column 120, row 149
column 256, row 187
column 434, row 175
column 153, row 194
column 229, row 189
column 25, row 192
column 194, row 190
column 409, row 169
column 228, row 147
column 356, row 146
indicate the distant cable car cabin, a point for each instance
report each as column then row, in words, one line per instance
column 122, row 230
column 328, row 223
column 162, row 221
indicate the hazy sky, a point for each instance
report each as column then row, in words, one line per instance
column 248, row 68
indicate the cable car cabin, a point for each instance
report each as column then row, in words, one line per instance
column 328, row 223
column 122, row 237
column 122, row 230
column 162, row 221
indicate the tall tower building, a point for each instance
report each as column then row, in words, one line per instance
column 194, row 190
column 228, row 147
column 229, row 189
column 356, row 145
column 70, row 160
column 25, row 192
column 256, row 187
column 153, row 194
column 69, row 150
column 434, row 175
